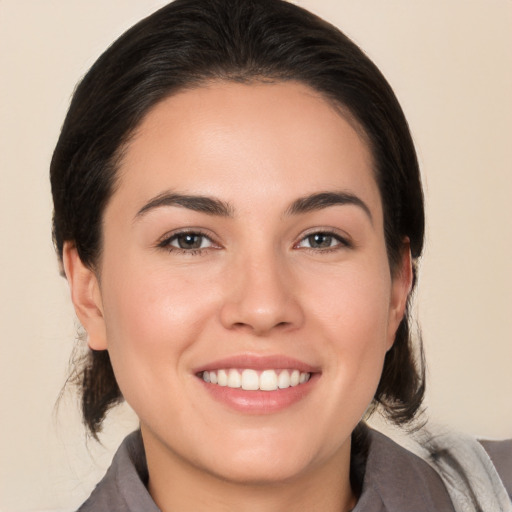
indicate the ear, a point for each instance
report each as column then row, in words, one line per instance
column 401, row 286
column 86, row 297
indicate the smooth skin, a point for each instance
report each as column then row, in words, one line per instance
column 253, row 277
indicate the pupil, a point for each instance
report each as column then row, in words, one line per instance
column 189, row 241
column 320, row 240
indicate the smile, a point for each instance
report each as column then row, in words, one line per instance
column 252, row 380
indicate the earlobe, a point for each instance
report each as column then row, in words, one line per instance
column 400, row 289
column 86, row 297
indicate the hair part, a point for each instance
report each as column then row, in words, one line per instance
column 185, row 45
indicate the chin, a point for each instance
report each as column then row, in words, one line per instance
column 258, row 462
column 257, row 471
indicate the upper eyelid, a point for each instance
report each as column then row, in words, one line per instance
column 337, row 233
column 165, row 239
column 344, row 240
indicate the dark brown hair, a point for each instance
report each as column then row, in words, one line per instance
column 184, row 45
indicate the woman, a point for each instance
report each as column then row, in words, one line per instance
column 239, row 214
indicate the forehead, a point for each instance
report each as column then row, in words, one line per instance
column 280, row 140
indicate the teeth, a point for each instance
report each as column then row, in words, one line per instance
column 234, row 379
column 283, row 381
column 222, row 377
column 268, row 380
column 251, row 380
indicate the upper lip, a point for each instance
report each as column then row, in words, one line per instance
column 257, row 362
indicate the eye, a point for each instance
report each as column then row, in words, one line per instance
column 323, row 240
column 187, row 242
column 190, row 241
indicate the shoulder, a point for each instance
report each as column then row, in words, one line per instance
column 500, row 453
column 397, row 479
column 123, row 488
column 440, row 471
column 462, row 462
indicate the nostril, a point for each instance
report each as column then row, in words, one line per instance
column 243, row 325
column 258, row 313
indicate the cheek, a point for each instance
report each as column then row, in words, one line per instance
column 352, row 312
column 153, row 316
column 352, row 302
column 151, row 302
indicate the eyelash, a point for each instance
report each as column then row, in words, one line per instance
column 342, row 242
column 165, row 243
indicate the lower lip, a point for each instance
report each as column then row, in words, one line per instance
column 260, row 402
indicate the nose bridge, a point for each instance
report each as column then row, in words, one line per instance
column 260, row 293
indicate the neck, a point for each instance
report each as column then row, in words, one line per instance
column 176, row 485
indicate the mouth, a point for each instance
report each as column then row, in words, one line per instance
column 249, row 379
column 256, row 384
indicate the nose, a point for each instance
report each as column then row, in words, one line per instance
column 261, row 296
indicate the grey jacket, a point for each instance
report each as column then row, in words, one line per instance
column 389, row 478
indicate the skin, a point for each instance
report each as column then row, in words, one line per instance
column 258, row 286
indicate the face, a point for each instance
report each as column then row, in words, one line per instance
column 244, row 291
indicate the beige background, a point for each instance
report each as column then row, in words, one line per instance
column 450, row 64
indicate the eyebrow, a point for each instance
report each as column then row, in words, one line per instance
column 214, row 206
column 204, row 204
column 323, row 200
